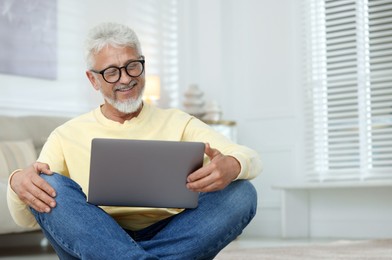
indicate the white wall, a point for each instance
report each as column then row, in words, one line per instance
column 65, row 95
column 351, row 213
column 246, row 55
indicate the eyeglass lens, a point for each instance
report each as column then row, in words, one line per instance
column 113, row 74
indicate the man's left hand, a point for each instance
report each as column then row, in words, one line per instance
column 216, row 175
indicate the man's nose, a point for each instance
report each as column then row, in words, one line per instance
column 124, row 77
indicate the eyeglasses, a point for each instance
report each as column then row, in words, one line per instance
column 112, row 74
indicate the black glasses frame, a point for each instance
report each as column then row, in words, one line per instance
column 102, row 72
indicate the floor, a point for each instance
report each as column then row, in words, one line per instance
column 275, row 242
column 31, row 257
column 29, row 253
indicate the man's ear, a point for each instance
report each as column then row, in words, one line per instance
column 93, row 79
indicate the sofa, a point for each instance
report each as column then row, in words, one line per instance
column 21, row 140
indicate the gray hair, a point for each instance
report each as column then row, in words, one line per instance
column 116, row 35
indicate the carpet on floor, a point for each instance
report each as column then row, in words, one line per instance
column 339, row 250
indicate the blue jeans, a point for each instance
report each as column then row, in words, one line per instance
column 79, row 230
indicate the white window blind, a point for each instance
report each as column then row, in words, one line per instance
column 348, row 78
column 156, row 23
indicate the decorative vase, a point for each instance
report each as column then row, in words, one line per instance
column 194, row 101
column 213, row 111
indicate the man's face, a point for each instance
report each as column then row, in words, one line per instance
column 126, row 94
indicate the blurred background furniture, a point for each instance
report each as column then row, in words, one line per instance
column 21, row 140
column 226, row 127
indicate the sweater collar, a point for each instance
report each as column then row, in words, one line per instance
column 105, row 121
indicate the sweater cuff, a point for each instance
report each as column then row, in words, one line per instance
column 244, row 173
column 19, row 211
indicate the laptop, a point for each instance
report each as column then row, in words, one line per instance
column 143, row 173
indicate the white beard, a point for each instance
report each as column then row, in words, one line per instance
column 128, row 106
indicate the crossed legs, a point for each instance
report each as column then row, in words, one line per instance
column 79, row 230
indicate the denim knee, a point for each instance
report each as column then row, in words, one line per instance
column 245, row 193
column 238, row 199
column 63, row 186
column 58, row 181
column 54, row 179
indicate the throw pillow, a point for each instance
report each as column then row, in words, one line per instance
column 14, row 155
column 7, row 224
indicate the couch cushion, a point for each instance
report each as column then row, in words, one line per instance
column 12, row 129
column 7, row 224
column 14, row 155
column 36, row 128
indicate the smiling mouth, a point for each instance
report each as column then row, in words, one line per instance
column 124, row 88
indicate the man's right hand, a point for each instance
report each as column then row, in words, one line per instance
column 32, row 189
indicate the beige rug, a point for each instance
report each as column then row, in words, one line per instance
column 339, row 250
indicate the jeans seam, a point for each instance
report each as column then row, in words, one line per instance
column 59, row 241
column 219, row 243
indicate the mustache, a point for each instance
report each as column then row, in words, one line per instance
column 131, row 85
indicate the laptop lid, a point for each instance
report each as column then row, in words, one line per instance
column 143, row 173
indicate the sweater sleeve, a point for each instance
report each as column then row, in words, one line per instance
column 249, row 159
column 19, row 211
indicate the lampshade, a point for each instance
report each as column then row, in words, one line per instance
column 152, row 91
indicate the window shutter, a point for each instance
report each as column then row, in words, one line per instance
column 349, row 89
column 380, row 78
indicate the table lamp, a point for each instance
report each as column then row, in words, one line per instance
column 152, row 91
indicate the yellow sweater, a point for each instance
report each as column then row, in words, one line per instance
column 67, row 151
